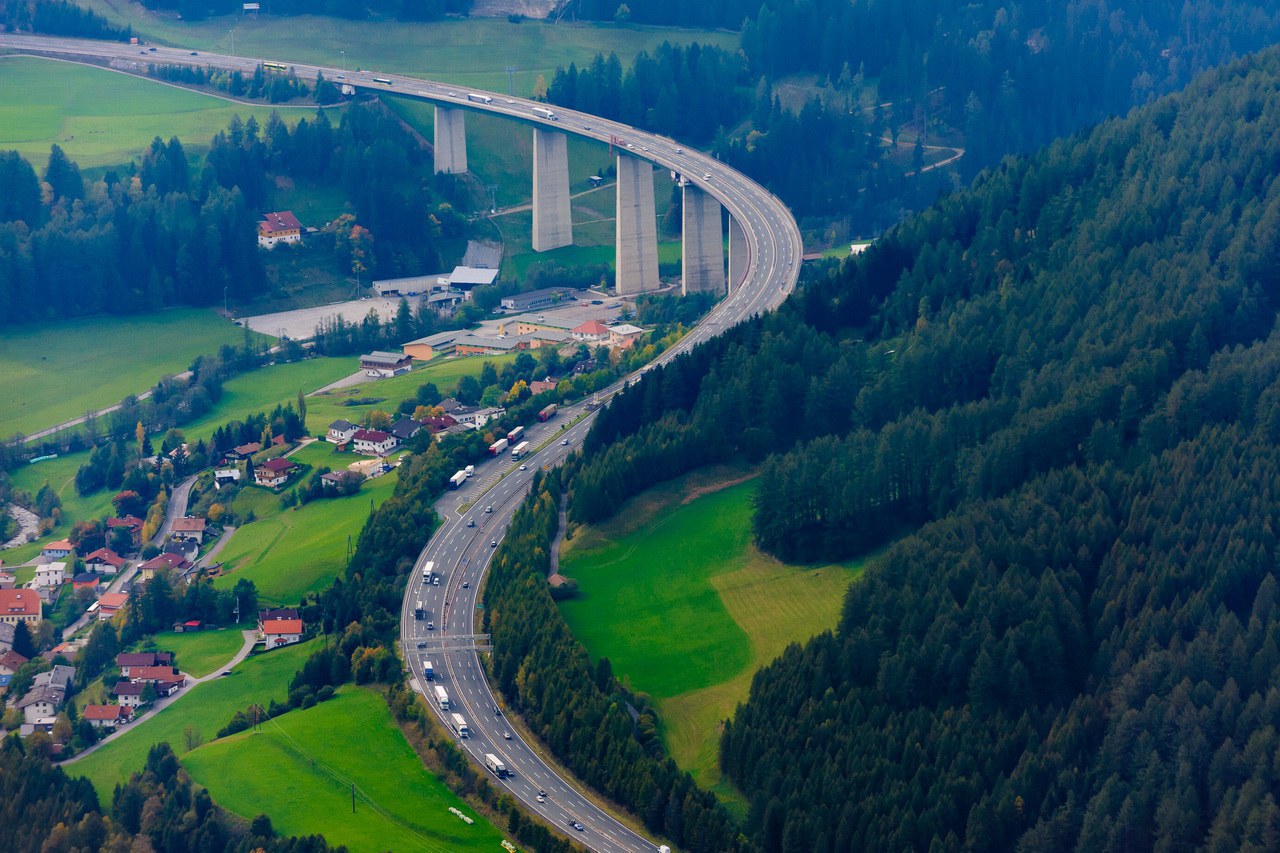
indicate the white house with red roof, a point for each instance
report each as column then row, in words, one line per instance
column 188, row 528
column 273, row 473
column 108, row 605
column 281, row 632
column 373, row 442
column 19, row 605
column 59, row 550
column 276, row 228
column 107, row 716
column 592, row 330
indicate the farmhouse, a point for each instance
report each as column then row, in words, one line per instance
column 129, row 522
column 19, row 605
column 104, row 561
column 108, row 605
column 373, row 442
column 128, row 694
column 281, row 632
column 340, row 431
column 244, row 451
column 107, row 716
column 189, row 528
column 273, row 473
column 176, row 562
column 282, row 227
column 383, row 364
column 59, row 550
column 51, row 575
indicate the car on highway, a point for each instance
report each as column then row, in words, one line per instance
column 471, row 522
column 151, row 49
column 524, row 467
column 488, row 509
column 466, row 584
column 422, row 644
column 509, row 101
column 706, row 176
column 493, row 543
column 577, row 825
column 497, row 710
column 431, row 626
column 506, row 735
column 564, row 442
column 679, row 150
column 435, row 581
column 542, row 798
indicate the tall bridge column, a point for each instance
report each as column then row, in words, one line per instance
column 739, row 254
column 702, row 242
column 450, row 141
column 552, row 214
column 637, row 227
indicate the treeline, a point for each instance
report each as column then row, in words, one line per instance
column 727, row 14
column 274, row 87
column 160, row 808
column 59, row 18
column 579, row 709
column 1073, row 370
column 686, row 92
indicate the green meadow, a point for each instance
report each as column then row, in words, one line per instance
column 199, row 653
column 288, row 553
column 205, row 709
column 52, row 372
column 715, row 609
column 301, row 769
column 105, row 118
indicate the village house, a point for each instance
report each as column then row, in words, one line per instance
column 10, row 662
column 175, row 562
column 128, row 694
column 273, row 473
column 6, row 636
column 187, row 549
column 405, row 429
column 107, row 716
column 189, row 528
column 624, row 336
column 163, row 678
column 244, row 451
column 19, row 605
column 340, row 432
column 108, row 605
column 8, row 580
column 373, row 442
column 542, row 386
column 50, row 575
column 130, row 522
column 104, row 561
column 59, row 550
column 84, row 580
column 276, row 228
column 225, row 477
column 48, row 692
column 280, row 627
column 331, row 479
column 437, row 424
column 385, row 364
column 592, row 330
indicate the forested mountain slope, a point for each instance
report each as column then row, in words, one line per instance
column 1070, row 376
column 1084, row 387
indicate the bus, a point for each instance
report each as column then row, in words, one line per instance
column 383, row 80
column 459, row 725
column 545, row 113
column 275, row 66
column 519, row 450
column 479, row 99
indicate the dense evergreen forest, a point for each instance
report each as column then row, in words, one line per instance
column 59, row 18
column 159, row 234
column 1068, row 375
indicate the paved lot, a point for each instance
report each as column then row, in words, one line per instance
column 301, row 323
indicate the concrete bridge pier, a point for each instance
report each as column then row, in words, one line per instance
column 637, row 227
column 552, row 213
column 702, row 242
column 739, row 254
column 450, row 141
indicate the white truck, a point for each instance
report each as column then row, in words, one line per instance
column 479, row 99
column 442, row 698
column 428, row 571
column 520, row 450
column 459, row 725
column 549, row 115
column 471, row 471
column 495, row 765
column 458, row 479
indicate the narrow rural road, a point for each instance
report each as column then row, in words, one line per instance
column 208, row 558
column 75, row 422
column 250, row 639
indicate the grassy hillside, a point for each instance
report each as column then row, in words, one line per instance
column 207, row 708
column 52, row 372
column 302, row 768
column 102, row 117
column 290, row 553
column 199, row 653
column 715, row 609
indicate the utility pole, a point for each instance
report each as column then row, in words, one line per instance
column 511, row 79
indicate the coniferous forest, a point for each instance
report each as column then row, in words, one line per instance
column 1069, row 376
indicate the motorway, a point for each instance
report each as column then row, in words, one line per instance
column 461, row 553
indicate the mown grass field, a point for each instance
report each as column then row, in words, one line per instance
column 201, row 652
column 469, row 51
column 292, row 552
column 52, row 372
column 205, row 709
column 715, row 608
column 301, row 767
column 105, row 118
column 60, row 474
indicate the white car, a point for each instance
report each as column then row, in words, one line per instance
column 524, row 467
column 564, row 442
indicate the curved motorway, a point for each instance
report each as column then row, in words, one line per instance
column 461, row 553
